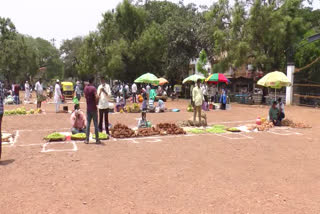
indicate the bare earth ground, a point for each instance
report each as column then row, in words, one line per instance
column 269, row 172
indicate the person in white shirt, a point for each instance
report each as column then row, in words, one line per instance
column 57, row 95
column 280, row 106
column 27, row 91
column 134, row 92
column 39, row 91
column 204, row 89
column 148, row 88
column 104, row 92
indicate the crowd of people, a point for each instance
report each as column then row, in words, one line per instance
column 98, row 102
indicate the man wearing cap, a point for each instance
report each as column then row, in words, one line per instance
column 57, row 95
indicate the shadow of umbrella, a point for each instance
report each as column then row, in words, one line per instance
column 6, row 162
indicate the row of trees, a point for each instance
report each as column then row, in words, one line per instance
column 21, row 56
column 161, row 37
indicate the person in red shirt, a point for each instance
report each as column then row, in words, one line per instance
column 16, row 91
column 90, row 93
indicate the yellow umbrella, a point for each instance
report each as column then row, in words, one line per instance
column 275, row 80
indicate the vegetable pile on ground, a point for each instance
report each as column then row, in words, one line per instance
column 288, row 122
column 216, row 129
column 134, row 108
column 102, row 136
column 122, row 131
column 170, row 128
column 79, row 136
column 55, row 137
column 143, row 132
column 197, row 131
column 265, row 126
column 21, row 111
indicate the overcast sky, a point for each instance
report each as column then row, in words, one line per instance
column 64, row 19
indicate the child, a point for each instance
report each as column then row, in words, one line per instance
column 145, row 99
column 143, row 123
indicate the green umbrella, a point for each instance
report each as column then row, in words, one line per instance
column 147, row 78
column 193, row 78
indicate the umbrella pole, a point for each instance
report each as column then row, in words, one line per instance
column 275, row 94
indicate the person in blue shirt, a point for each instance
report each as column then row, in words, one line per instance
column 223, row 100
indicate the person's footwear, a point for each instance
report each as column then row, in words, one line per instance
column 98, row 142
column 86, row 142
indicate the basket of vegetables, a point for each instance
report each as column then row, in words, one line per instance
column 55, row 137
column 233, row 129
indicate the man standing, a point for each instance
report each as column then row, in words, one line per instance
column 90, row 93
column 78, row 91
column 134, row 92
column 197, row 98
column 39, row 92
column 1, row 114
column 27, row 92
column 57, row 95
column 16, row 92
column 104, row 92
column 148, row 88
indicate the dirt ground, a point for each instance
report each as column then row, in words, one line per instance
column 265, row 172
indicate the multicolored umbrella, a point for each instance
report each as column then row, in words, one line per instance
column 216, row 78
column 193, row 78
column 147, row 78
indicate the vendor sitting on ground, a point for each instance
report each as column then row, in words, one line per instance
column 161, row 107
column 119, row 102
column 78, row 121
column 274, row 114
column 143, row 123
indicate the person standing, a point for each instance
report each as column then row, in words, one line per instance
column 78, row 91
column 104, row 93
column 27, row 91
column 197, row 98
column 124, row 94
column 148, row 88
column 223, row 100
column 16, row 92
column 280, row 106
column 2, row 96
column 57, row 95
column 134, row 92
column 90, row 93
column 39, row 91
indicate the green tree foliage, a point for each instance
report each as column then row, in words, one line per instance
column 70, row 53
column 202, row 62
column 21, row 56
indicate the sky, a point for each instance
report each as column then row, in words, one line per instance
column 65, row 19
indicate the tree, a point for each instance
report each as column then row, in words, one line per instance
column 202, row 62
column 70, row 55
